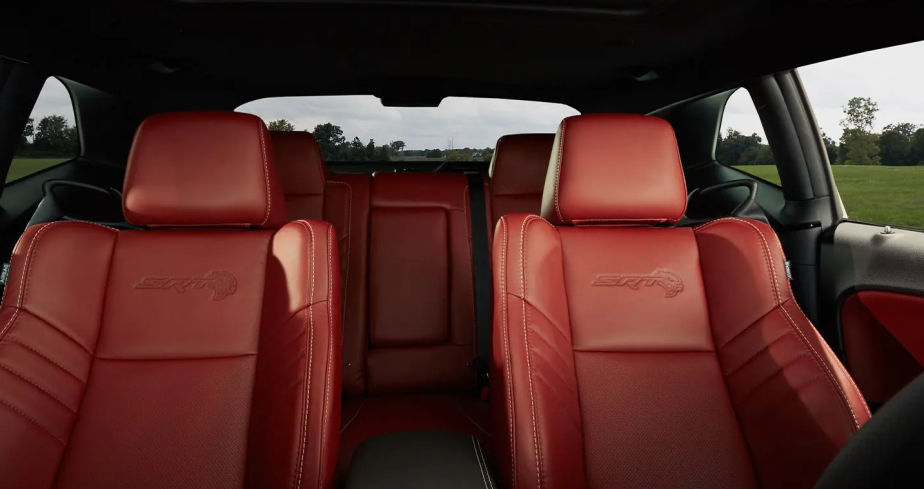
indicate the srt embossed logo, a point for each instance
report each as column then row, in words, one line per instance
column 664, row 277
column 222, row 284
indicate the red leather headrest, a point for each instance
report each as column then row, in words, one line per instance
column 614, row 169
column 203, row 169
column 520, row 163
column 300, row 164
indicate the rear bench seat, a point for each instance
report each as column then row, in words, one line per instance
column 409, row 333
column 408, row 296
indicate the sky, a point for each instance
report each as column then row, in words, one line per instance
column 892, row 77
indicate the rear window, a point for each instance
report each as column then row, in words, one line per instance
column 360, row 129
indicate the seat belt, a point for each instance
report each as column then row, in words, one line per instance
column 482, row 277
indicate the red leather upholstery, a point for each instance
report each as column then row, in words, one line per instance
column 346, row 206
column 301, row 167
column 173, row 357
column 655, row 357
column 343, row 200
column 641, row 157
column 418, row 226
column 517, row 172
column 882, row 341
column 197, row 169
column 421, row 299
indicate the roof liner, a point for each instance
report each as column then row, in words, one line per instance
column 163, row 55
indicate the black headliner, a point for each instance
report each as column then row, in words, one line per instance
column 583, row 54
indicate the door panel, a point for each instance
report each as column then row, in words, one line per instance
column 881, row 363
column 873, row 282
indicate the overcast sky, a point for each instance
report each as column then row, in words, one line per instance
column 891, row 77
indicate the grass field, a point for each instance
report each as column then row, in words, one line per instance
column 878, row 194
column 25, row 166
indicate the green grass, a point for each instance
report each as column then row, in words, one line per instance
column 27, row 166
column 891, row 195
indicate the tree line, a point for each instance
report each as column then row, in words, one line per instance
column 335, row 147
column 52, row 137
column 900, row 144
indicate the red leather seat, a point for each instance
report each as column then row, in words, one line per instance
column 629, row 353
column 202, row 351
column 311, row 192
column 517, row 173
column 424, row 379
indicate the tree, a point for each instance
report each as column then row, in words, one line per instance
column 757, row 155
column 830, row 148
column 281, row 125
column 916, row 148
column 859, row 147
column 51, row 135
column 383, row 153
column 730, row 149
column 894, row 144
column 357, row 150
column 396, row 146
column 487, row 154
column 860, row 114
column 905, row 128
column 27, row 132
column 434, row 153
column 330, row 139
column 370, row 150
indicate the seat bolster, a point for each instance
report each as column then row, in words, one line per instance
column 49, row 325
column 533, row 378
column 295, row 422
column 796, row 404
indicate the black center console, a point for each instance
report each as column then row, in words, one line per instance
column 420, row 460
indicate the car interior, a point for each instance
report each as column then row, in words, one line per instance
column 194, row 300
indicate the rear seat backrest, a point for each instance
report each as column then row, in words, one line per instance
column 421, row 300
column 518, row 173
column 342, row 200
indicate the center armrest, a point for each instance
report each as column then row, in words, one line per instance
column 418, row 460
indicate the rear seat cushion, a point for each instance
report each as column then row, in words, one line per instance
column 365, row 418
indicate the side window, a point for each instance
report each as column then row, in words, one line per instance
column 741, row 143
column 871, row 110
column 50, row 136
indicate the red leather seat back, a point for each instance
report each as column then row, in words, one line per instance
column 421, row 300
column 518, row 173
column 343, row 200
column 627, row 355
column 180, row 357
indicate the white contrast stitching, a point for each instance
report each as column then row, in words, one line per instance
column 309, row 299
column 529, row 371
column 354, row 416
column 330, row 345
column 485, row 463
column 269, row 200
column 478, row 461
column 561, row 147
column 506, row 333
column 779, row 302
